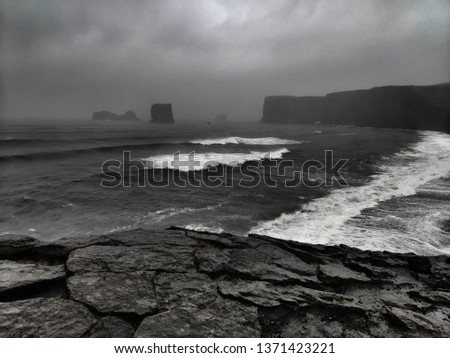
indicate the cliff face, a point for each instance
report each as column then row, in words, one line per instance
column 106, row 115
column 182, row 283
column 407, row 107
column 162, row 113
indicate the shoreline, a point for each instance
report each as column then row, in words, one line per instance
column 183, row 283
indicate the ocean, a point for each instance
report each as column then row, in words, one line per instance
column 397, row 196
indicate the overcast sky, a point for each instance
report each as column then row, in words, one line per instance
column 68, row 58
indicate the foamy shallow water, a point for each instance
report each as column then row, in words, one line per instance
column 326, row 220
column 246, row 141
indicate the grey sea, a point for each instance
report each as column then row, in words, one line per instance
column 397, row 198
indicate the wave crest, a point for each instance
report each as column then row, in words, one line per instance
column 246, row 141
column 199, row 161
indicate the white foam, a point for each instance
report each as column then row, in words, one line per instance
column 203, row 228
column 322, row 220
column 246, row 141
column 200, row 161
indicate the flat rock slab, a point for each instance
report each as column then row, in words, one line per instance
column 414, row 321
column 107, row 292
column 266, row 294
column 338, row 274
column 184, row 290
column 61, row 248
column 261, row 264
column 128, row 259
column 222, row 319
column 111, row 327
column 44, row 317
column 139, row 237
column 179, row 283
column 11, row 245
column 16, row 275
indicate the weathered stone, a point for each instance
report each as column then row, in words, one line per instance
column 266, row 294
column 139, row 237
column 200, row 284
column 221, row 319
column 212, row 238
column 435, row 297
column 380, row 273
column 337, row 274
column 44, row 317
column 412, row 321
column 251, row 263
column 11, row 245
column 123, row 259
column 286, row 260
column 111, row 327
column 184, row 290
column 131, row 292
column 419, row 264
column 312, row 322
column 61, row 248
column 16, row 274
column 259, row 293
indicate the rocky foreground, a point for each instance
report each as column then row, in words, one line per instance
column 181, row 283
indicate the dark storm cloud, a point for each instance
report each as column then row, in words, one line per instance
column 72, row 57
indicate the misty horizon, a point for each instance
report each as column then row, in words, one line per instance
column 67, row 59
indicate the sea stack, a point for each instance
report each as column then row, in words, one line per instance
column 109, row 116
column 162, row 113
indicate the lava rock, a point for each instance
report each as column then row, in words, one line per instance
column 129, row 259
column 15, row 275
column 182, row 283
column 221, row 319
column 111, row 327
column 44, row 317
column 12, row 245
column 107, row 292
column 184, row 290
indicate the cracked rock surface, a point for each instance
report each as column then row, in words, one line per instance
column 182, row 283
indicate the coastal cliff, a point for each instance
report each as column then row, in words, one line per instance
column 405, row 107
column 182, row 283
column 162, row 113
column 106, row 115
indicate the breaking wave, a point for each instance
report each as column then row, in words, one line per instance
column 246, row 141
column 324, row 220
column 200, row 161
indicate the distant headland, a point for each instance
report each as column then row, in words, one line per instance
column 405, row 107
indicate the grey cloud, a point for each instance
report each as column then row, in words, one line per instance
column 72, row 57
